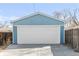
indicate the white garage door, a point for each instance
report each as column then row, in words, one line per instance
column 38, row 34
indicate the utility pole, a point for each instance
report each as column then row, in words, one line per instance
column 35, row 9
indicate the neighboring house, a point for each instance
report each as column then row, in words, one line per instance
column 38, row 28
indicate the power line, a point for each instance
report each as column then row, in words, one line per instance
column 34, row 8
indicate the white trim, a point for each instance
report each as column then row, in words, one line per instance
column 37, row 25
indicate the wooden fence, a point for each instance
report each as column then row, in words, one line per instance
column 72, row 38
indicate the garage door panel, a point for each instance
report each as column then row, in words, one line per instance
column 38, row 34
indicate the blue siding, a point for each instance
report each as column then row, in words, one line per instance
column 38, row 20
column 14, row 35
column 62, row 40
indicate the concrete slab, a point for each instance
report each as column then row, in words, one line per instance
column 27, row 50
column 38, row 50
column 61, row 50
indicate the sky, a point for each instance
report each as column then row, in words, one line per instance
column 12, row 11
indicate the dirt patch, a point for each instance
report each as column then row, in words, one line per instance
column 4, row 46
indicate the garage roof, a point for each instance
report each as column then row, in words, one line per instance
column 38, row 19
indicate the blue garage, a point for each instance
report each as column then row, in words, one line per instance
column 38, row 28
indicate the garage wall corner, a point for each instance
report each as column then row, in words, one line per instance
column 14, row 35
column 62, row 40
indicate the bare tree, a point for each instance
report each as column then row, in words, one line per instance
column 56, row 14
column 67, row 15
column 73, row 15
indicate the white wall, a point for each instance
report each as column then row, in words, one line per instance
column 38, row 34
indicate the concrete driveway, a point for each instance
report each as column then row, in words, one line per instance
column 38, row 50
column 27, row 50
